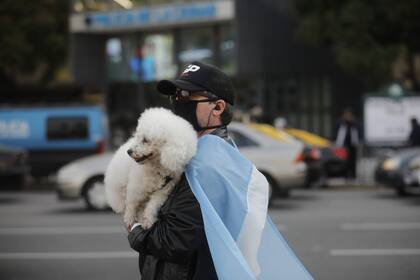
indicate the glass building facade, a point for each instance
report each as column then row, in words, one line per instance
column 127, row 45
column 152, row 56
column 151, row 41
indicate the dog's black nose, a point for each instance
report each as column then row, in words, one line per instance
column 129, row 152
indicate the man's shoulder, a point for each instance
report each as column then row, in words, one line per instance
column 212, row 148
column 213, row 154
column 210, row 138
column 209, row 142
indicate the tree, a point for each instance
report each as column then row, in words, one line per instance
column 33, row 39
column 366, row 36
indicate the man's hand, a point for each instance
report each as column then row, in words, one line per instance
column 129, row 228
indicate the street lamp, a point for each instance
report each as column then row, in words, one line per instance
column 395, row 90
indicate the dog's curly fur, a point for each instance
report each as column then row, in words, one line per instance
column 138, row 184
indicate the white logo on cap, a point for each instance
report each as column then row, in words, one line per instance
column 191, row 68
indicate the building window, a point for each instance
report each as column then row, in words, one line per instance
column 227, row 47
column 113, row 57
column 152, row 58
column 196, row 44
column 117, row 57
column 147, row 58
column 304, row 102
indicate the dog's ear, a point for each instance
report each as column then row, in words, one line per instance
column 174, row 157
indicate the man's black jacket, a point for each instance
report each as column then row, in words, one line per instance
column 175, row 247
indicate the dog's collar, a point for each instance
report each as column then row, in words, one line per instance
column 167, row 180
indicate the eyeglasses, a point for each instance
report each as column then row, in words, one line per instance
column 182, row 95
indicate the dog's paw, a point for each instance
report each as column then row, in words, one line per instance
column 129, row 219
column 147, row 223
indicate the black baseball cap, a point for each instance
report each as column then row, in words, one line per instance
column 199, row 76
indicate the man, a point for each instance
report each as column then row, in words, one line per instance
column 414, row 137
column 220, row 204
column 348, row 137
column 176, row 246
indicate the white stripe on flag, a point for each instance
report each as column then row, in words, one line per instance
column 250, row 235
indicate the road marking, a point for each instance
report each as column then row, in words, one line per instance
column 375, row 252
column 380, row 226
column 61, row 230
column 67, row 255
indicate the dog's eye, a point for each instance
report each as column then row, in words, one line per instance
column 145, row 141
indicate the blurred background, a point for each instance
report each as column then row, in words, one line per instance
column 327, row 107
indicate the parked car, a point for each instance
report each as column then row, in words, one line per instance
column 83, row 178
column 275, row 158
column 400, row 171
column 14, row 168
column 324, row 160
column 53, row 136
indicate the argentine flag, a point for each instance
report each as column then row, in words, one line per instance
column 233, row 196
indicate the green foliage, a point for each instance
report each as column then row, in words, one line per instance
column 32, row 34
column 366, row 36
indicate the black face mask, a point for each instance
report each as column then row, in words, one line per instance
column 188, row 111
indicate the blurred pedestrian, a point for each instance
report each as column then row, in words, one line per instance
column 347, row 136
column 414, row 138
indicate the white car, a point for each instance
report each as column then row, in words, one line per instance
column 276, row 157
column 83, row 178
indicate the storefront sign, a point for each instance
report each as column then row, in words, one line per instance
column 151, row 17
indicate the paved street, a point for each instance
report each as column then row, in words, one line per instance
column 338, row 234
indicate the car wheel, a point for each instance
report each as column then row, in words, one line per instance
column 270, row 193
column 271, row 187
column 400, row 191
column 283, row 192
column 312, row 177
column 94, row 194
column 13, row 182
column 274, row 189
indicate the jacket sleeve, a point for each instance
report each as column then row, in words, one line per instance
column 178, row 232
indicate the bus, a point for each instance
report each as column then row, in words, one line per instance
column 54, row 136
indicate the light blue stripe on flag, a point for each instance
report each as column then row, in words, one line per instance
column 231, row 194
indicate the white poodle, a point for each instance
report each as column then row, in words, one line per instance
column 145, row 169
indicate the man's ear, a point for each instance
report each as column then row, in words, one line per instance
column 219, row 108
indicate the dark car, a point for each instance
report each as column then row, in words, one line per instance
column 14, row 167
column 323, row 163
column 323, row 159
column 400, row 171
